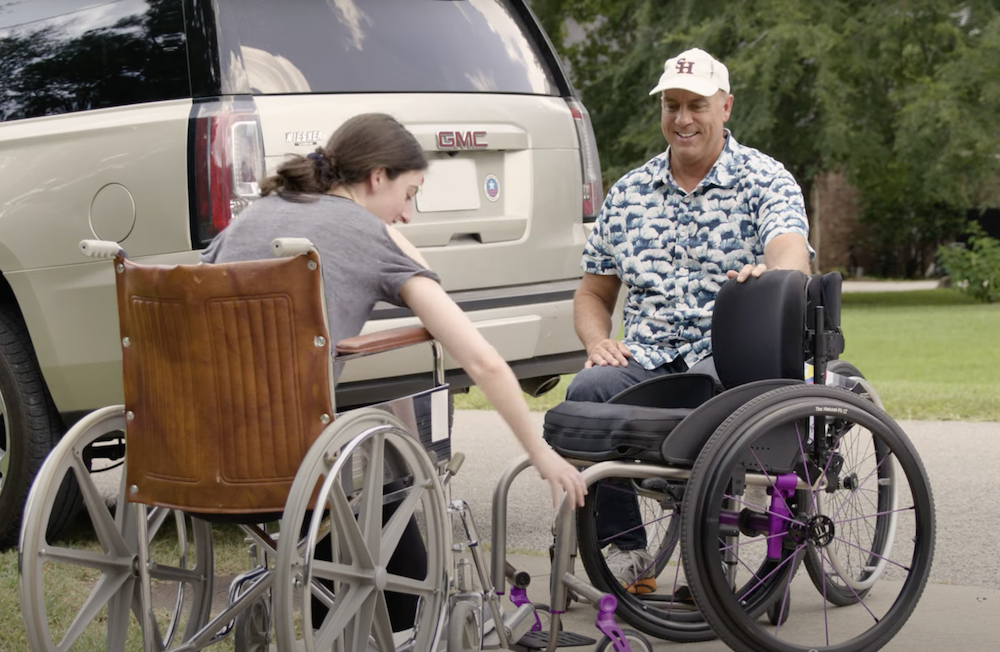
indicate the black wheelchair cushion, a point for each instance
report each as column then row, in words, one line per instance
column 685, row 441
column 758, row 328
column 685, row 390
column 598, row 432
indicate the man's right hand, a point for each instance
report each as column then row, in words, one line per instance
column 608, row 352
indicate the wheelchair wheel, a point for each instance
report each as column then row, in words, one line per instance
column 791, row 438
column 856, row 562
column 364, row 462
column 659, row 614
column 82, row 591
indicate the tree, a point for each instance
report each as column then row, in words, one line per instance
column 899, row 95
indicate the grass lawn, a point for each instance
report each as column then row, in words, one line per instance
column 931, row 354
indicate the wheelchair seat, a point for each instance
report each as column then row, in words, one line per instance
column 761, row 337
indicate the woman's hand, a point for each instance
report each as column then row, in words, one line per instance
column 560, row 475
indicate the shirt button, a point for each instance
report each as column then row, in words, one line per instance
column 686, row 200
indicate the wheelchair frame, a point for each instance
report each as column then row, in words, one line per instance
column 455, row 616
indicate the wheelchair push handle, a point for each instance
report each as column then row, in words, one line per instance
column 101, row 248
column 288, row 247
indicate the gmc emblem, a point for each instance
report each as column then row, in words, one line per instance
column 461, row 139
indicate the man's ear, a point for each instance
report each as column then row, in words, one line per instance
column 727, row 107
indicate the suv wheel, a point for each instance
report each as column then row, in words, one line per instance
column 29, row 427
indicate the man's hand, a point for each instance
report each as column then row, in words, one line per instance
column 608, row 352
column 747, row 272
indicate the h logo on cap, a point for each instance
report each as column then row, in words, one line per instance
column 685, row 67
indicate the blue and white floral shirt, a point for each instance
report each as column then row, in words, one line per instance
column 672, row 249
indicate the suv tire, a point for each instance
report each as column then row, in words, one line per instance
column 29, row 427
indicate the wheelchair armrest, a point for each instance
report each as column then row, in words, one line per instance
column 394, row 338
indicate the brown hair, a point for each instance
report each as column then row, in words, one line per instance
column 364, row 143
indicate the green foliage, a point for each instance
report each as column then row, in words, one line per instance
column 899, row 95
column 974, row 269
column 926, row 351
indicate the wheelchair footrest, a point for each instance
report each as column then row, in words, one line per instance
column 540, row 640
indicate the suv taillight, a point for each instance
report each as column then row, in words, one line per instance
column 226, row 164
column 593, row 189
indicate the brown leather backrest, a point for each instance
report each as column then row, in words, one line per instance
column 228, row 380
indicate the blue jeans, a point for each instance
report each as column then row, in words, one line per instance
column 616, row 505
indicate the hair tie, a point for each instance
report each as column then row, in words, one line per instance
column 322, row 163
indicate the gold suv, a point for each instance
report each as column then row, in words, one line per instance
column 150, row 122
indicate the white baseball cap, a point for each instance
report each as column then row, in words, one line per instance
column 694, row 70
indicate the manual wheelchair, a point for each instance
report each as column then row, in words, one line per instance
column 743, row 479
column 228, row 419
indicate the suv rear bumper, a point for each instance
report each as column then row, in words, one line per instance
column 374, row 391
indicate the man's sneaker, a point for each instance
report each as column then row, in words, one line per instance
column 632, row 569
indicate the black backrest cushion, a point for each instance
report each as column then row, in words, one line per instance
column 758, row 328
column 825, row 291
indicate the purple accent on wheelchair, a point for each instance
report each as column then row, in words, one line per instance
column 605, row 622
column 519, row 597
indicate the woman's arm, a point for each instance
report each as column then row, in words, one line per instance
column 450, row 326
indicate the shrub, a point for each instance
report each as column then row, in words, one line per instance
column 974, row 268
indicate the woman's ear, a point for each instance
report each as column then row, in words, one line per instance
column 376, row 178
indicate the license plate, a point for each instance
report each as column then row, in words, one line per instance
column 449, row 185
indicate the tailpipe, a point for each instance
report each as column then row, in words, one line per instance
column 539, row 385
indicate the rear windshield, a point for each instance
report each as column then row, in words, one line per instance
column 379, row 46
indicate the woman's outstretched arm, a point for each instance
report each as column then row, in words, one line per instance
column 452, row 327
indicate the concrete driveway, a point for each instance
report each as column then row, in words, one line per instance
column 960, row 608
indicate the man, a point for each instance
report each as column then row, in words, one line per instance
column 672, row 231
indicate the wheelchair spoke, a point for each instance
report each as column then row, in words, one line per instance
column 344, row 609
column 106, row 529
column 401, row 584
column 326, row 570
column 343, row 522
column 118, row 617
column 395, row 526
column 103, row 562
column 370, row 512
column 102, row 593
column 382, row 629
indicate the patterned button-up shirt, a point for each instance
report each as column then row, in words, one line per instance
column 672, row 249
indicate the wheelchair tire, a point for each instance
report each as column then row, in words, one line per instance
column 636, row 642
column 339, row 492
column 779, row 434
column 656, row 614
column 30, row 426
column 103, row 553
column 853, row 574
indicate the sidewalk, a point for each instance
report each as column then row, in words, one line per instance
column 887, row 286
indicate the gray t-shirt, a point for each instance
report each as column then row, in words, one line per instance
column 361, row 263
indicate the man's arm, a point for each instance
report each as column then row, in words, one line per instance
column 785, row 251
column 593, row 306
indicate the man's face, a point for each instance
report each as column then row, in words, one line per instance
column 693, row 125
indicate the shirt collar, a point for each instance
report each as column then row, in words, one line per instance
column 723, row 174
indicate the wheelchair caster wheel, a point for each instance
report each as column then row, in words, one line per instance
column 464, row 634
column 252, row 629
column 636, row 641
column 544, row 614
column 777, row 613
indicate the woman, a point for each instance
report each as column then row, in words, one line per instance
column 345, row 197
